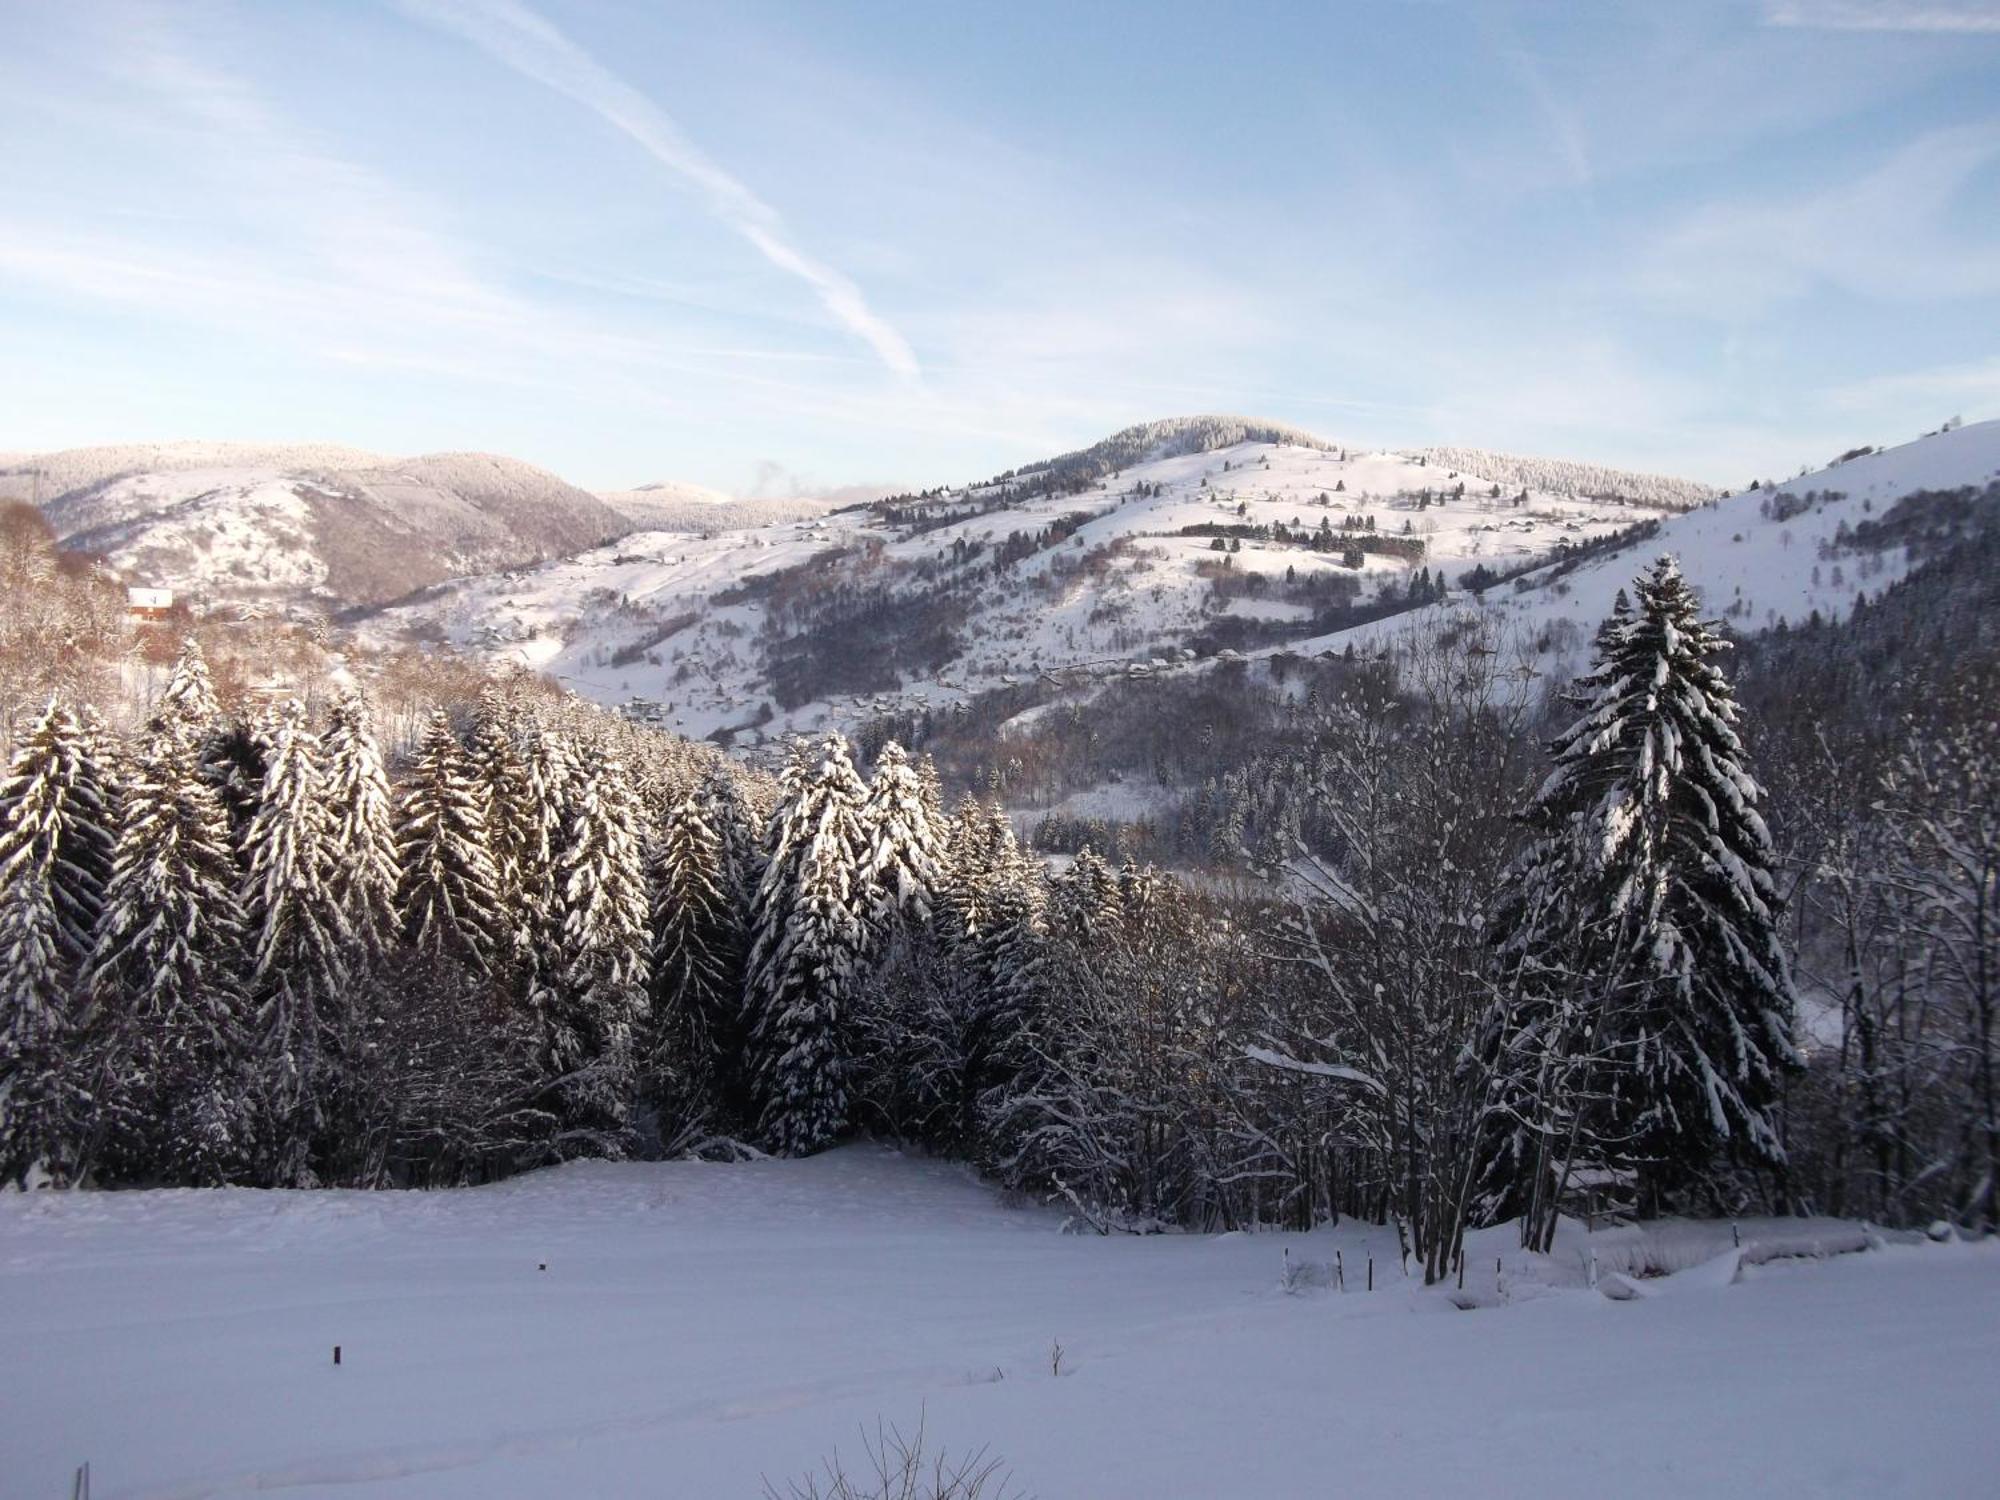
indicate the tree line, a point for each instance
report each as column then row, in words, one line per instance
column 248, row 953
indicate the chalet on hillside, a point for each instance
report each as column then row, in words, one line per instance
column 148, row 604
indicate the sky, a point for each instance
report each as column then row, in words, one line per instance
column 780, row 247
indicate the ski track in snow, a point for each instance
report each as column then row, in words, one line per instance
column 700, row 1326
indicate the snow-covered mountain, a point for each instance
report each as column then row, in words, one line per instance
column 1758, row 557
column 338, row 526
column 1163, row 542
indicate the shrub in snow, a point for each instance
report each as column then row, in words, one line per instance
column 896, row 1467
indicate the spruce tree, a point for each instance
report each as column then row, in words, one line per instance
column 1647, row 1009
column 741, row 829
column 298, row 946
column 55, row 847
column 970, row 859
column 903, row 847
column 1004, row 1007
column 187, row 705
column 697, row 948
column 501, row 776
column 550, row 770
column 1083, row 901
column 363, row 836
column 447, row 900
column 167, row 1028
column 806, row 939
column 591, row 1022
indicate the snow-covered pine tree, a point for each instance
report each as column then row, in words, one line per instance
column 1004, row 1012
column 166, row 1026
column 930, row 791
column 591, row 1023
column 550, row 767
column 363, row 836
column 501, row 776
column 1084, row 902
column 55, row 848
column 697, row 954
column 447, row 899
column 806, row 938
column 906, row 1022
column 1648, row 1010
column 298, row 946
column 741, row 828
column 187, row 705
column 903, row 847
column 970, row 859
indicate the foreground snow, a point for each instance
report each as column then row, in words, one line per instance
column 699, row 1326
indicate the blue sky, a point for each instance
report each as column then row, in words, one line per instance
column 772, row 246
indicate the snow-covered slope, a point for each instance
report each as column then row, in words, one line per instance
column 1561, row 476
column 69, row 470
column 685, row 1329
column 1191, row 534
column 1757, row 557
column 220, row 521
column 672, row 506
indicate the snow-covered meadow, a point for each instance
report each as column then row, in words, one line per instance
column 700, row 1326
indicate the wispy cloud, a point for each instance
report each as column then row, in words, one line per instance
column 1975, row 386
column 1886, row 15
column 531, row 46
column 1887, row 234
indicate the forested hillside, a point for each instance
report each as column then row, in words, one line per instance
column 258, row 949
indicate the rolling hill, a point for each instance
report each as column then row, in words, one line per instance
column 1168, row 541
column 1813, row 544
column 337, row 527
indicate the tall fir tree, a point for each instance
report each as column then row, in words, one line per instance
column 187, row 706
column 298, row 947
column 807, row 930
column 55, row 857
column 550, row 769
column 167, row 1030
column 363, row 836
column 903, row 847
column 501, row 776
column 592, row 1019
column 1004, row 1005
column 697, row 951
column 970, row 860
column 447, row 901
column 741, row 828
column 1084, row 901
column 1647, row 1009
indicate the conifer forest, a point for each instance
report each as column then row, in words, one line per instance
column 1522, row 953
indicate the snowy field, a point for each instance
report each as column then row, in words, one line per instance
column 699, row 1327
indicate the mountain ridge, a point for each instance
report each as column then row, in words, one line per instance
column 1198, row 533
